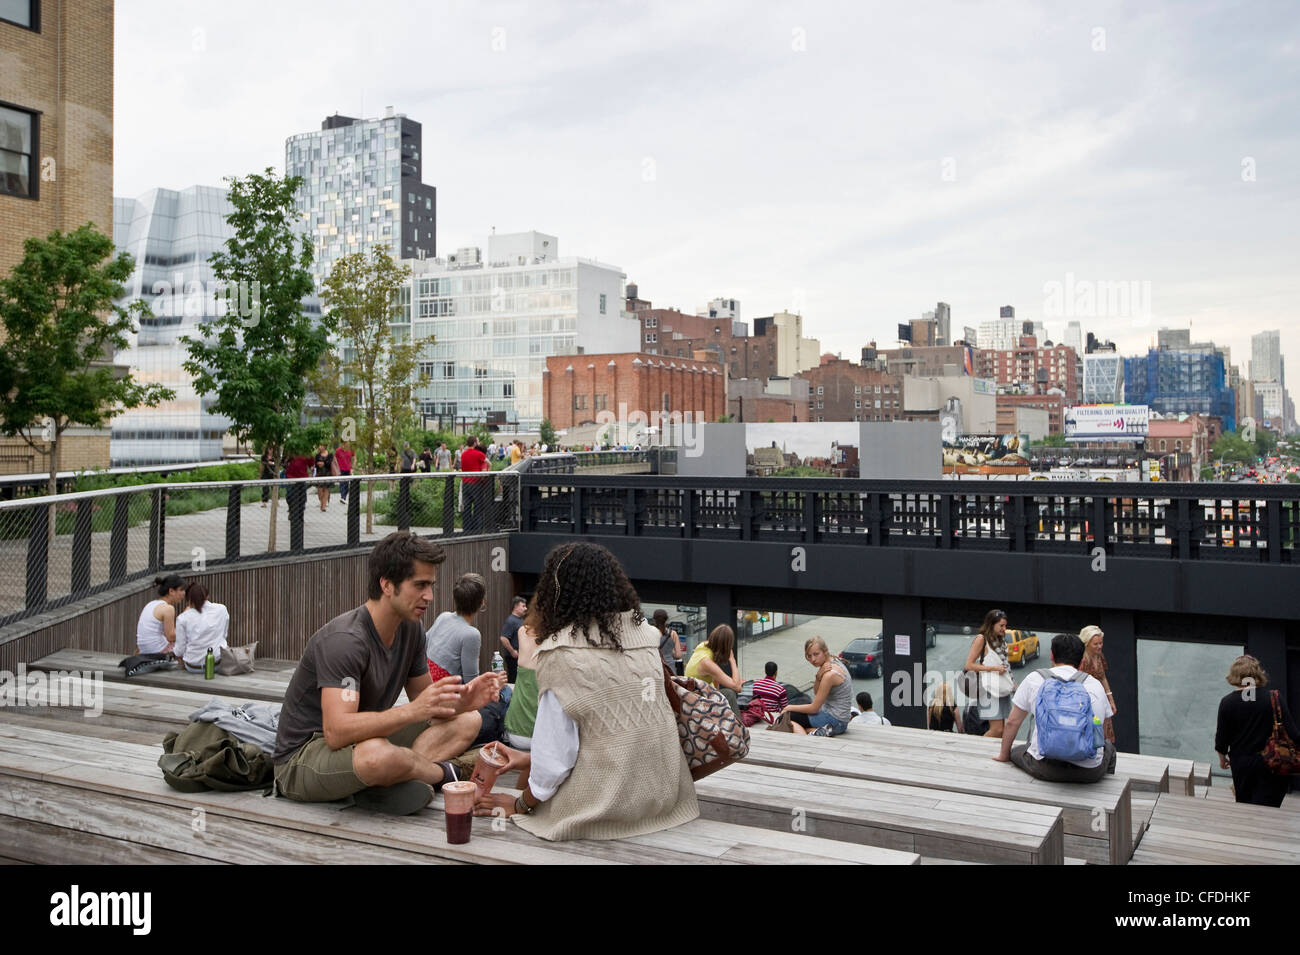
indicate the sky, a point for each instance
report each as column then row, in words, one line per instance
column 854, row 162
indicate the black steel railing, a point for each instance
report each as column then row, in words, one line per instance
column 63, row 548
column 1174, row 521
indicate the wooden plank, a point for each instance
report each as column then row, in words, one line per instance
column 875, row 814
column 41, row 844
column 266, row 686
column 175, row 828
column 126, row 771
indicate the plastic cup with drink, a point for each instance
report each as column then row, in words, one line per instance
column 458, row 800
column 491, row 761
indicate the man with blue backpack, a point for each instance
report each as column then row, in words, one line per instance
column 1067, row 744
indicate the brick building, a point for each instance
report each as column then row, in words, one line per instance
column 842, row 391
column 1033, row 367
column 919, row 361
column 1053, row 404
column 577, row 388
column 720, row 338
column 1193, row 435
column 776, row 399
column 56, row 127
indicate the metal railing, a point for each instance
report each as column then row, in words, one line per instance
column 1169, row 521
column 64, row 548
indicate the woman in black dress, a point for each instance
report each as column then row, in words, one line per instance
column 1244, row 727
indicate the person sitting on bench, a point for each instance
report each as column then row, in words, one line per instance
column 1066, row 744
column 201, row 627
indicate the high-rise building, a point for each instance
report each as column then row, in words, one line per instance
column 171, row 236
column 1174, row 338
column 1073, row 337
column 1001, row 334
column 489, row 325
column 1103, row 378
column 943, row 318
column 56, row 157
column 1266, row 357
column 1189, row 380
column 794, row 353
column 362, row 188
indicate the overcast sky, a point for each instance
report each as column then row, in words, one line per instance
column 853, row 162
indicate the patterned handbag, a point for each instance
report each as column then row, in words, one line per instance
column 1280, row 755
column 712, row 736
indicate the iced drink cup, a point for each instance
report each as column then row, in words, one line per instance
column 491, row 761
column 458, row 800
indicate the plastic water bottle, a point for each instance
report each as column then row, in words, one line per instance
column 209, row 665
column 1098, row 734
column 498, row 665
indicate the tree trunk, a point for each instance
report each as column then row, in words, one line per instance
column 52, row 487
column 275, row 504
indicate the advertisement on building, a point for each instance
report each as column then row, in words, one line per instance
column 1000, row 455
column 1106, row 422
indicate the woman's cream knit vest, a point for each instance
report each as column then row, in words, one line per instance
column 631, row 776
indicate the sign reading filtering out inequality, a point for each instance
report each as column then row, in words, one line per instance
column 1106, row 422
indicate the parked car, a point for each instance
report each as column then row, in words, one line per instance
column 1022, row 646
column 863, row 656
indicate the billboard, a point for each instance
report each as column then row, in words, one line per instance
column 1106, row 422
column 1006, row 455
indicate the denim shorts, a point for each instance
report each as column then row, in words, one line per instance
column 822, row 718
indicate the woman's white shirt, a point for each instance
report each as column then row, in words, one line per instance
column 196, row 631
column 555, row 747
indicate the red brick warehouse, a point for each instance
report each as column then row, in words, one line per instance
column 576, row 388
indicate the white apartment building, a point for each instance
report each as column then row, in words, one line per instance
column 491, row 322
column 1001, row 334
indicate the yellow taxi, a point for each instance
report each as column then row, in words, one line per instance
column 1022, row 645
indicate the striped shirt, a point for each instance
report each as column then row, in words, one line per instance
column 771, row 693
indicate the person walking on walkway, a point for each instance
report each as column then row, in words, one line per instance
column 988, row 659
column 343, row 459
column 1245, row 723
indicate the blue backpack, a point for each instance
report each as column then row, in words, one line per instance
column 1063, row 717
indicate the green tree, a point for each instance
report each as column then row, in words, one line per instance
column 61, row 327
column 1051, row 441
column 257, row 357
column 362, row 295
column 547, row 433
column 1232, row 447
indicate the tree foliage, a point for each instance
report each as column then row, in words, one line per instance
column 62, row 325
column 362, row 295
column 257, row 361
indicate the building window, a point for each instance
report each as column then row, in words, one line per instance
column 651, row 322
column 449, row 369
column 1162, row 444
column 602, row 303
column 508, row 389
column 820, row 404
column 821, row 389
column 652, row 338
column 600, row 403
column 24, row 13
column 579, row 402
column 857, row 404
column 857, row 389
column 18, row 147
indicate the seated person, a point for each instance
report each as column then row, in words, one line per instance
column 202, row 626
column 828, row 713
column 770, row 698
column 714, row 663
column 942, row 714
column 864, row 715
column 155, row 631
column 453, row 643
column 1067, row 654
column 340, row 734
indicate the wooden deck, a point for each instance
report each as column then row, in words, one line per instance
column 85, row 789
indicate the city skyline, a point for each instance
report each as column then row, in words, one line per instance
column 1123, row 163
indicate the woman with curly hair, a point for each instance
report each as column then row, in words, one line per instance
column 606, row 761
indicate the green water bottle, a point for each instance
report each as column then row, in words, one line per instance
column 209, row 666
column 1098, row 734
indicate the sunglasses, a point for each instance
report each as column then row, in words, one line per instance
column 999, row 615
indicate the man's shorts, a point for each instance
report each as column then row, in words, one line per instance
column 317, row 773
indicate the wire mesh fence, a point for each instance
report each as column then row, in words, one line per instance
column 58, row 549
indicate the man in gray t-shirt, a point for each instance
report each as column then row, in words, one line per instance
column 340, row 732
column 453, row 643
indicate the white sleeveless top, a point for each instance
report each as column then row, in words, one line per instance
column 149, row 630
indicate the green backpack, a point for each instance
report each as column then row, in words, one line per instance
column 204, row 756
